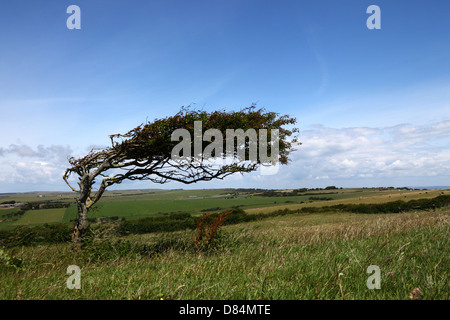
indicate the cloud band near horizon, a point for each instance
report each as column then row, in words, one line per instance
column 354, row 155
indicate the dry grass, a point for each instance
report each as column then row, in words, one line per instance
column 378, row 197
column 336, row 226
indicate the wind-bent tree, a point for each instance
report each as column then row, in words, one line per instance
column 151, row 151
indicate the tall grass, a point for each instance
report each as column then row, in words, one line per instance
column 314, row 256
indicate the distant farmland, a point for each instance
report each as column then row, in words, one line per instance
column 136, row 204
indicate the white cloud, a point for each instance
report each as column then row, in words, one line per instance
column 397, row 151
column 357, row 156
column 24, row 165
column 361, row 156
column 56, row 152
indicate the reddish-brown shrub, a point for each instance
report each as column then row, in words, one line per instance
column 207, row 231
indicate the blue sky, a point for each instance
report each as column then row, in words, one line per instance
column 373, row 106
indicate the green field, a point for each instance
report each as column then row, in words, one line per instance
column 135, row 204
column 138, row 208
column 33, row 217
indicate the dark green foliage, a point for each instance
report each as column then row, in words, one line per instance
column 49, row 204
column 320, row 198
column 211, row 209
column 388, row 207
column 8, row 202
column 10, row 215
column 238, row 215
column 8, row 261
column 178, row 222
column 26, row 236
column 170, row 223
column 293, row 193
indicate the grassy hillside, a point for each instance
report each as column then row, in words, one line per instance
column 316, row 256
column 285, row 254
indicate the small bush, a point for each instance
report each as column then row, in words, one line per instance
column 169, row 223
column 27, row 236
column 8, row 261
column 320, row 198
column 207, row 231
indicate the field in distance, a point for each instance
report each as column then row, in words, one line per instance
column 136, row 204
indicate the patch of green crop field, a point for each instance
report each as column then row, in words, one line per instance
column 135, row 204
column 133, row 209
column 41, row 216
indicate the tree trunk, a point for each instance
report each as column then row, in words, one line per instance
column 80, row 226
